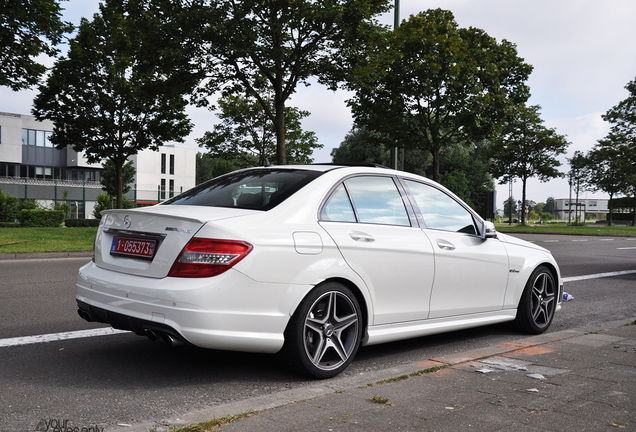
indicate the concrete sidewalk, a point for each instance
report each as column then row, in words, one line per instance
column 563, row 381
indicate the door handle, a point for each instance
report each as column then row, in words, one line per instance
column 444, row 244
column 360, row 236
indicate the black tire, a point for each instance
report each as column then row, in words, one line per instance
column 324, row 334
column 538, row 302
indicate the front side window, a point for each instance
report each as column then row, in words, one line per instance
column 440, row 211
column 374, row 200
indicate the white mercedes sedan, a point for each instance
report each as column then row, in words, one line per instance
column 313, row 261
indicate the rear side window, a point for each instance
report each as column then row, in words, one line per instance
column 366, row 199
column 256, row 189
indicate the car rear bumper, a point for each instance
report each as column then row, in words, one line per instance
column 227, row 312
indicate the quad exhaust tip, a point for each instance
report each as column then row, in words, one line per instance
column 155, row 336
column 85, row 315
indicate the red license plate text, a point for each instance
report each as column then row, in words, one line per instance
column 134, row 247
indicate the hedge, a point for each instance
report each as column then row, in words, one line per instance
column 41, row 218
column 81, row 223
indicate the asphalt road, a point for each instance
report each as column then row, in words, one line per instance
column 123, row 379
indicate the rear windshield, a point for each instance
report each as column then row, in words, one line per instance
column 257, row 189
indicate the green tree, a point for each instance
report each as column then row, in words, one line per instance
column 361, row 146
column 464, row 169
column 28, row 28
column 259, row 48
column 550, row 205
column 525, row 149
column 604, row 169
column 106, row 202
column 247, row 135
column 9, row 211
column 622, row 137
column 108, row 97
column 109, row 177
column 209, row 167
column 510, row 207
column 432, row 84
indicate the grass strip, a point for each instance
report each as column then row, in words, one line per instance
column 30, row 240
column 214, row 424
column 592, row 230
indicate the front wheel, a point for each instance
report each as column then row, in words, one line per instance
column 538, row 302
column 324, row 333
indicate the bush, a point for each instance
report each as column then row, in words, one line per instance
column 8, row 207
column 41, row 218
column 105, row 202
column 9, row 225
column 81, row 223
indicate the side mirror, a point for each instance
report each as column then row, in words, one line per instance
column 489, row 230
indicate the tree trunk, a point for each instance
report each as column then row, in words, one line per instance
column 523, row 201
column 436, row 175
column 118, row 173
column 279, row 125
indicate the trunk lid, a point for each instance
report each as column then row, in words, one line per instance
column 147, row 241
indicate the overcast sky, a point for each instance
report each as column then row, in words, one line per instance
column 583, row 53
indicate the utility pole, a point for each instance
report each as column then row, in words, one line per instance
column 397, row 155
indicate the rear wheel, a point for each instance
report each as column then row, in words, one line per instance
column 324, row 334
column 538, row 302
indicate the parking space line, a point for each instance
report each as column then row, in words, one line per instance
column 26, row 340
column 598, row 275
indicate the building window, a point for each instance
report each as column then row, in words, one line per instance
column 163, row 165
column 171, row 188
column 171, row 164
column 162, row 194
column 37, row 138
column 47, row 139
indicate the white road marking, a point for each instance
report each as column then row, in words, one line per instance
column 26, row 340
column 598, row 275
column 584, row 240
column 625, row 248
column 551, row 241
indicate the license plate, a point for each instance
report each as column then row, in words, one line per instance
column 133, row 247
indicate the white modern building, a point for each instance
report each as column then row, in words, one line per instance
column 32, row 168
column 568, row 209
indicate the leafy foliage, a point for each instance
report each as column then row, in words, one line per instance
column 112, row 95
column 208, row 167
column 431, row 84
column 28, row 28
column 41, row 218
column 258, row 48
column 246, row 134
column 108, row 177
column 612, row 160
column 105, row 202
column 10, row 207
column 525, row 148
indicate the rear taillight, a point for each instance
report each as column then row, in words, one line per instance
column 208, row 257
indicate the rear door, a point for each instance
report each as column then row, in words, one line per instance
column 369, row 221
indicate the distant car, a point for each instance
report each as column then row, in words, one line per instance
column 315, row 261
